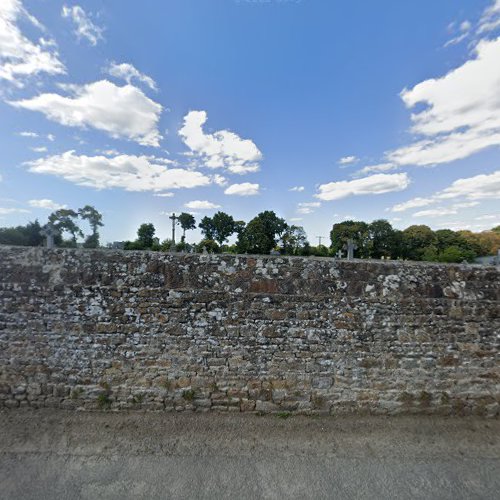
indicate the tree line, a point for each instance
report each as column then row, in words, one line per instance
column 65, row 223
column 267, row 233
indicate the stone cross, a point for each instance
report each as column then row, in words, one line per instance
column 351, row 246
column 174, row 219
column 49, row 231
column 339, row 254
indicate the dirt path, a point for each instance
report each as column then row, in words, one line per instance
column 55, row 454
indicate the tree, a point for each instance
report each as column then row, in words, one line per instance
column 416, row 239
column 483, row 243
column 94, row 218
column 219, row 227
column 187, row 222
column 145, row 235
column 63, row 220
column 262, row 233
column 294, row 240
column 383, row 240
column 28, row 235
column 351, row 230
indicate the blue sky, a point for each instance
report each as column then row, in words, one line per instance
column 320, row 110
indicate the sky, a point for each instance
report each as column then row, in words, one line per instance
column 321, row 110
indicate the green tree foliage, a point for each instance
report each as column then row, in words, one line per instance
column 294, row 240
column 209, row 245
column 415, row 240
column 28, row 235
column 384, row 241
column 94, row 219
column 145, row 235
column 187, row 222
column 219, row 227
column 357, row 231
column 63, row 221
column 262, row 233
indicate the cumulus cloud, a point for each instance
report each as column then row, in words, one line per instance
column 307, row 208
column 440, row 211
column 347, row 160
column 120, row 111
column 221, row 149
column 461, row 114
column 479, row 187
column 19, row 56
column 374, row 184
column 414, row 203
column 470, row 189
column 129, row 172
column 84, row 27
column 46, row 204
column 39, row 149
column 201, row 205
column 128, row 72
column 297, row 189
column 243, row 189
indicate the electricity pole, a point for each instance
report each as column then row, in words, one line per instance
column 319, row 239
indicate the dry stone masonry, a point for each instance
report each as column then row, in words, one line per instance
column 96, row 329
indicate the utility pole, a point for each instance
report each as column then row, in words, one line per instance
column 319, row 239
column 174, row 219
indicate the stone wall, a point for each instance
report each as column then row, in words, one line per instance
column 90, row 329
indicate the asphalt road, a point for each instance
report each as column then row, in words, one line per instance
column 64, row 455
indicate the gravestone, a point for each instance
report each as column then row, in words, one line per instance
column 350, row 247
column 49, row 231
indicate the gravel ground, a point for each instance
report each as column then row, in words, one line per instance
column 49, row 454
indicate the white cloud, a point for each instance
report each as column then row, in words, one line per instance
column 471, row 189
column 374, row 184
column 46, row 203
column 462, row 114
column 380, row 167
column 221, row 149
column 201, row 205
column 220, row 180
column 19, row 56
column 436, row 212
column 479, row 187
column 119, row 111
column 128, row 72
column 463, row 32
column 491, row 18
column 296, row 219
column 347, row 160
column 164, row 195
column 243, row 189
column 8, row 211
column 307, row 208
column 297, row 189
column 129, row 172
column 414, row 203
column 84, row 27
column 488, row 217
column 32, row 135
column 39, row 149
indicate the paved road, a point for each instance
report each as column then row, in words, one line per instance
column 59, row 455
